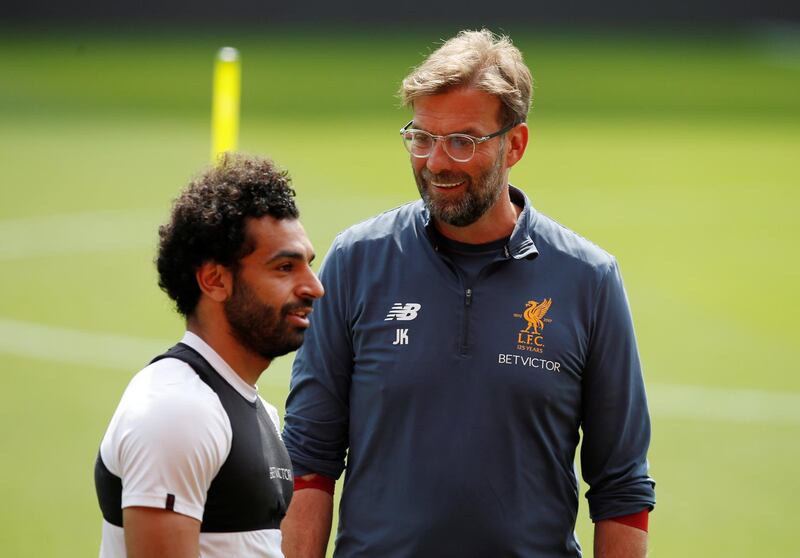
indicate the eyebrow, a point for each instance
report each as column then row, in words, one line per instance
column 291, row 255
column 467, row 131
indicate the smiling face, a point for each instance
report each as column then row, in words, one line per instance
column 273, row 288
column 461, row 193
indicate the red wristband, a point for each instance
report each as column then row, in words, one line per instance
column 638, row 520
column 319, row 482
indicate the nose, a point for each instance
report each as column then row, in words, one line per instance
column 311, row 287
column 438, row 160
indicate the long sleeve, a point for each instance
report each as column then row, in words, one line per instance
column 317, row 409
column 615, row 419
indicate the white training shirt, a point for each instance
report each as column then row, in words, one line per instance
column 170, row 434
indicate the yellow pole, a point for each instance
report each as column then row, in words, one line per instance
column 225, row 102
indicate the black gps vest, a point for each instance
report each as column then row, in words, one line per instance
column 252, row 489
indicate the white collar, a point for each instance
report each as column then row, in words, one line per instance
column 223, row 368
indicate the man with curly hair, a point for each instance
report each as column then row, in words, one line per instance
column 192, row 462
column 466, row 342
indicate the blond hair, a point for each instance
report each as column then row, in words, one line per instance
column 477, row 59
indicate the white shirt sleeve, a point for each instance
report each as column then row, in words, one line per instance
column 168, row 439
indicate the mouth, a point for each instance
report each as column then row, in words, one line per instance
column 447, row 185
column 299, row 316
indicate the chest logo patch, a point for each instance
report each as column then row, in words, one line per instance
column 531, row 338
column 403, row 312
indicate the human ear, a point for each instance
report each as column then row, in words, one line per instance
column 517, row 143
column 215, row 281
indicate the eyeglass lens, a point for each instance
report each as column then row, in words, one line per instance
column 458, row 146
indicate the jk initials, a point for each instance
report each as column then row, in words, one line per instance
column 401, row 337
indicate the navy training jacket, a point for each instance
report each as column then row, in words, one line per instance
column 458, row 406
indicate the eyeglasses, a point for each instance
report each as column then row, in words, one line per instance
column 460, row 147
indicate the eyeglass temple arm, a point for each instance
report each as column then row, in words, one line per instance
column 497, row 133
column 480, row 139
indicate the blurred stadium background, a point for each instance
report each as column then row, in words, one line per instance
column 667, row 134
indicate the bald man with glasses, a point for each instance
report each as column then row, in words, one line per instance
column 465, row 343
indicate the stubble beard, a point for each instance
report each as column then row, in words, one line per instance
column 479, row 196
column 259, row 327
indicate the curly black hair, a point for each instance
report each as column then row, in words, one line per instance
column 209, row 217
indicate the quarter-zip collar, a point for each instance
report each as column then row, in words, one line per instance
column 521, row 245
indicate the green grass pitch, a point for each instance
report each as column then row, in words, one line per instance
column 678, row 154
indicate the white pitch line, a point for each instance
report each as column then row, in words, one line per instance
column 55, row 344
column 100, row 231
column 724, row 404
column 121, row 352
column 118, row 352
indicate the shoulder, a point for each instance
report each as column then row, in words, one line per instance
column 555, row 241
column 373, row 244
column 388, row 226
column 168, row 386
column 167, row 409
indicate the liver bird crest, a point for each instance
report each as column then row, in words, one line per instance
column 534, row 314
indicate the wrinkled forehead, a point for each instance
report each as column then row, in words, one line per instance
column 464, row 110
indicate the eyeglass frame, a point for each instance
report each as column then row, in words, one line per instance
column 476, row 141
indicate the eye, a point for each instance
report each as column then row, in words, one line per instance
column 286, row 267
column 460, row 143
column 420, row 140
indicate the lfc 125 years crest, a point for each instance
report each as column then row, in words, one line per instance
column 531, row 338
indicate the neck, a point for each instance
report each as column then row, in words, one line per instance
column 498, row 222
column 215, row 333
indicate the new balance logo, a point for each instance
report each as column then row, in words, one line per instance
column 403, row 312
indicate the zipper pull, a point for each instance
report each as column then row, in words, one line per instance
column 468, row 297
